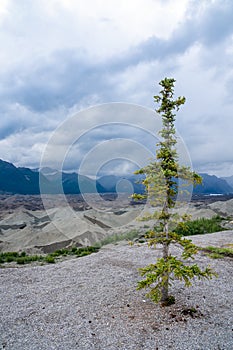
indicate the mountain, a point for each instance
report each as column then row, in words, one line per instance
column 212, row 184
column 229, row 180
column 72, row 183
column 26, row 181
column 75, row 184
column 21, row 180
column 108, row 182
column 124, row 184
column 18, row 180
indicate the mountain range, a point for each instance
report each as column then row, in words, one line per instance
column 20, row 180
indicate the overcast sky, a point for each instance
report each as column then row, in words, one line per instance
column 59, row 57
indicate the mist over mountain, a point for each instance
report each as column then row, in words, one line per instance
column 229, row 180
column 20, row 180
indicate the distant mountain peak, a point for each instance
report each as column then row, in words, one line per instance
column 23, row 180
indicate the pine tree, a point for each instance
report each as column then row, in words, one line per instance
column 161, row 183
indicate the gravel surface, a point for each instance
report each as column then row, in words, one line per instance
column 92, row 303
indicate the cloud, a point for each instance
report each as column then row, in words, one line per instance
column 216, row 22
column 105, row 144
column 210, row 26
column 62, row 56
column 117, row 127
column 24, row 148
column 66, row 75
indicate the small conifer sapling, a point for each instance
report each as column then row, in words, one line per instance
column 161, row 183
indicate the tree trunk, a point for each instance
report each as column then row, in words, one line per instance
column 164, row 290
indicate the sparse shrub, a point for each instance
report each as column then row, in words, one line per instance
column 84, row 253
column 14, row 254
column 216, row 253
column 23, row 258
column 117, row 237
column 215, row 256
column 200, row 226
column 50, row 259
column 20, row 260
column 9, row 258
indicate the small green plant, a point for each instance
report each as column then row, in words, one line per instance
column 10, row 258
column 189, row 311
column 50, row 259
column 215, row 256
column 170, row 301
column 146, row 226
column 218, row 253
column 23, row 258
column 117, row 237
column 200, row 226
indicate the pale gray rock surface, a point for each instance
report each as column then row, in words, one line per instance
column 29, row 230
column 92, row 303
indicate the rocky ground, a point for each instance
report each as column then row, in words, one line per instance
column 92, row 303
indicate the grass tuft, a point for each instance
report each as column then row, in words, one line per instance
column 218, row 253
column 22, row 258
column 200, row 226
column 113, row 239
